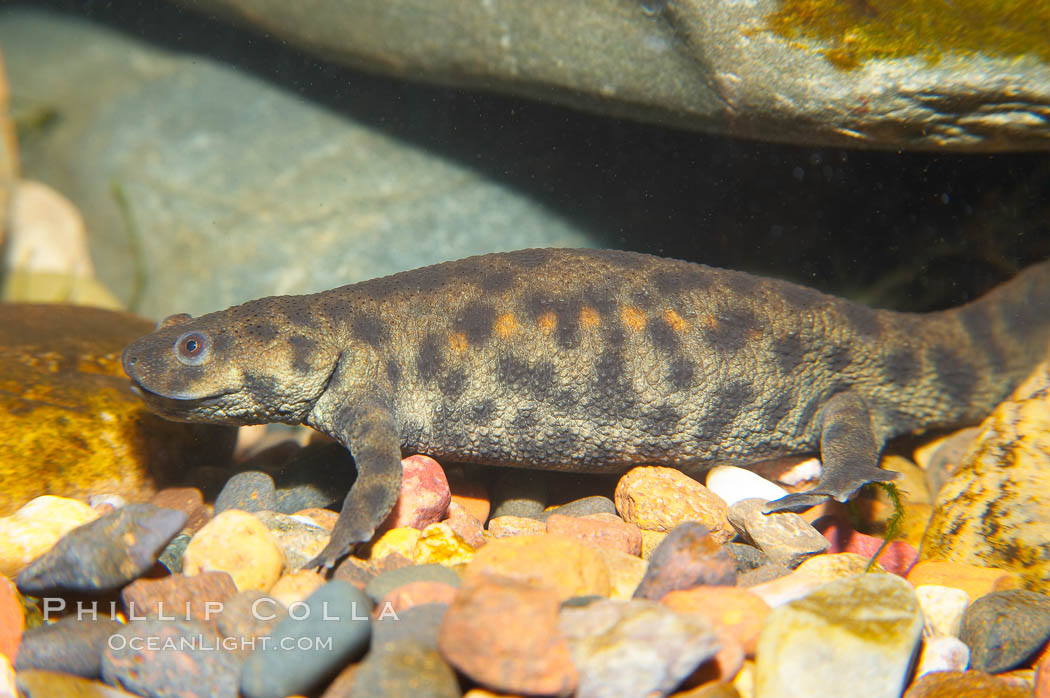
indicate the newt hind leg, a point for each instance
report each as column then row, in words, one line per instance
column 849, row 453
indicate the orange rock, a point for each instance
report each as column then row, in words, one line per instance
column 604, row 533
column 465, row 525
column 722, row 667
column 1042, row 674
column 964, row 684
column 561, row 564
column 509, row 525
column 238, row 543
column 658, row 499
column 12, row 619
column 325, row 518
column 735, row 611
column 414, row 594
column 472, row 496
column 504, row 635
column 974, row 580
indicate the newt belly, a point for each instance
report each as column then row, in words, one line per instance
column 589, row 360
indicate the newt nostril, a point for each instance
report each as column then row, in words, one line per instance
column 132, row 360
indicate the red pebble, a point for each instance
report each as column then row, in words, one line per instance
column 897, row 558
column 424, row 495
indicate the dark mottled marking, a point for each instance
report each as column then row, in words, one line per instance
column 496, row 281
column 298, row 314
column 370, row 329
column 453, row 383
column 809, row 413
column 429, row 359
column 725, row 406
column 740, row 282
column 393, row 372
column 681, row 372
column 381, row 288
column 788, row 352
column 800, row 297
column 562, row 441
column 430, row 279
column 774, row 411
column 663, row 335
column 475, row 320
column 265, row 386
column 529, row 259
column 617, row 258
column 901, row 366
column 957, row 376
column 303, row 350
column 519, row 376
column 220, row 343
column 263, row 332
column 525, row 421
column 565, row 400
column 613, row 336
column 643, row 299
column 601, row 298
column 568, row 312
column 977, row 323
column 609, row 369
column 837, row 357
column 661, row 421
column 864, row 320
column 731, row 330
column 681, row 280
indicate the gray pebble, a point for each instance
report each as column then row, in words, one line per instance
column 70, row 645
column 248, row 491
column 385, row 582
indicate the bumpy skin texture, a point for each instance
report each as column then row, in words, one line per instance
column 590, row 360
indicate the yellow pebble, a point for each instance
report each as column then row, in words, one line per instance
column 35, row 528
column 440, row 544
column 397, row 540
column 238, row 543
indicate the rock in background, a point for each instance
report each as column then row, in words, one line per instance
column 800, row 71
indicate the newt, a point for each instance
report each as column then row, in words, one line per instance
column 591, row 361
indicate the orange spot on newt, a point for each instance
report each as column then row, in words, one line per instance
column 547, row 322
column 589, row 317
column 457, row 342
column 506, row 325
column 674, row 320
column 632, row 317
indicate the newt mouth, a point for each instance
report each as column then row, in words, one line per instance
column 179, row 398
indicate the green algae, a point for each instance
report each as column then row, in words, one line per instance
column 855, row 31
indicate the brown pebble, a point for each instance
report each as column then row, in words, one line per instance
column 735, row 611
column 964, row 684
column 199, row 597
column 412, row 594
column 616, row 535
column 689, row 556
column 510, row 525
column 505, row 636
column 561, row 564
column 465, row 525
column 659, row 499
column 325, row 518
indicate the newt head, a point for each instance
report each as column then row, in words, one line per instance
column 229, row 367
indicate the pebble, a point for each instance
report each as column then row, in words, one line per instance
column 733, row 611
column 108, row 503
column 105, row 554
column 760, row 575
column 48, row 684
column 171, row 556
column 943, row 653
column 326, row 631
column 424, row 496
column 248, row 615
column 689, row 556
column 198, row 597
column 415, row 594
column 504, row 635
column 964, row 684
column 897, row 557
column 295, row 586
column 355, row 571
column 188, row 500
column 625, row 572
column 382, row 584
column 1005, row 628
column 325, row 518
column 69, row 645
column 439, row 544
column 974, row 580
column 153, row 657
column 563, row 565
column 786, row 538
column 585, row 506
column 400, row 541
column 508, row 525
column 651, row 541
column 810, row 575
column 735, row 484
column 299, row 538
column 249, row 491
column 615, row 535
column 465, row 525
column 943, row 609
column 634, row 648
column 471, row 495
column 721, row 668
column 35, row 528
column 871, row 622
column 519, row 493
column 403, row 658
column 1042, row 676
column 316, row 476
column 747, row 557
column 659, row 499
column 12, row 619
column 8, row 685
column 238, row 543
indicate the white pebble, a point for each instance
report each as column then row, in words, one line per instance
column 736, row 484
column 805, row 471
column 943, row 654
column 943, row 609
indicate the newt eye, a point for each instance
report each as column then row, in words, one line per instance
column 191, row 349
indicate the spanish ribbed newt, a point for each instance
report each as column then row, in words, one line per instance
column 591, row 361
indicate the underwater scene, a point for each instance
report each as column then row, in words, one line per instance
column 524, row 348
